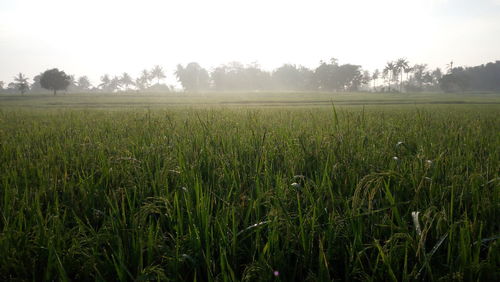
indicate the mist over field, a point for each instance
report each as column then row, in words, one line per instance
column 250, row 140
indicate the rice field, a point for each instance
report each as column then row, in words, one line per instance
column 233, row 193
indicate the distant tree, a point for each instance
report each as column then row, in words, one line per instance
column 450, row 67
column 143, row 81
column 114, row 84
column 291, row 77
column 419, row 71
column 1, row 85
column 157, row 73
column 349, row 77
column 84, row 83
column 236, row 77
column 140, row 84
column 366, row 78
column 73, row 84
column 126, row 80
column 325, row 76
column 436, row 76
column 55, row 80
column 428, row 80
column 456, row 81
column 36, row 87
column 21, row 82
column 334, row 77
column 193, row 77
column 105, row 82
column 12, row 86
column 388, row 73
column 402, row 65
column 375, row 77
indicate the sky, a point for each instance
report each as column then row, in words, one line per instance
column 96, row 37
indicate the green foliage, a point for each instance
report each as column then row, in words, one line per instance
column 207, row 194
column 55, row 80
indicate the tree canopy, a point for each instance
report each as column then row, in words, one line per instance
column 55, row 80
column 193, row 77
column 397, row 76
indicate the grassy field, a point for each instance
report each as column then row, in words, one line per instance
column 162, row 100
column 229, row 187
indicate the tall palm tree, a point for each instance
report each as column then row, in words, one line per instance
column 115, row 84
column 375, row 76
column 157, row 72
column 401, row 65
column 389, row 72
column 450, row 67
column 105, row 81
column 22, row 83
column 126, row 80
column 145, row 78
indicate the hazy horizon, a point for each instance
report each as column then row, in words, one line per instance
column 113, row 37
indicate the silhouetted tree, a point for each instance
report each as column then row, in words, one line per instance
column 21, row 82
column 437, row 75
column 388, row 73
column 349, row 77
column 36, row 87
column 84, row 83
column 193, row 77
column 126, row 80
column 1, row 85
column 375, row 77
column 114, row 84
column 73, row 84
column 235, row 76
column 291, row 77
column 325, row 76
column 105, row 81
column 157, row 72
column 143, row 82
column 454, row 82
column 478, row 78
column 366, row 78
column 419, row 71
column 449, row 66
column 55, row 80
column 402, row 65
column 408, row 70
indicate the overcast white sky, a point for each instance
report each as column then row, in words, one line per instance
column 94, row 37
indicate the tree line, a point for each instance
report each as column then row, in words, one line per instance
column 330, row 76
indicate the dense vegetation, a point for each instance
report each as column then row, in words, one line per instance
column 251, row 194
column 396, row 76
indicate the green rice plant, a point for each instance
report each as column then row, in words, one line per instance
column 271, row 194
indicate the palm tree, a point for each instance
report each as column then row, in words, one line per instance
column 145, row 78
column 408, row 70
column 450, row 67
column 115, row 84
column 157, row 72
column 375, row 76
column 402, row 65
column 105, row 81
column 389, row 72
column 126, row 80
column 22, row 83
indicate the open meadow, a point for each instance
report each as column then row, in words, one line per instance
column 250, row 186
